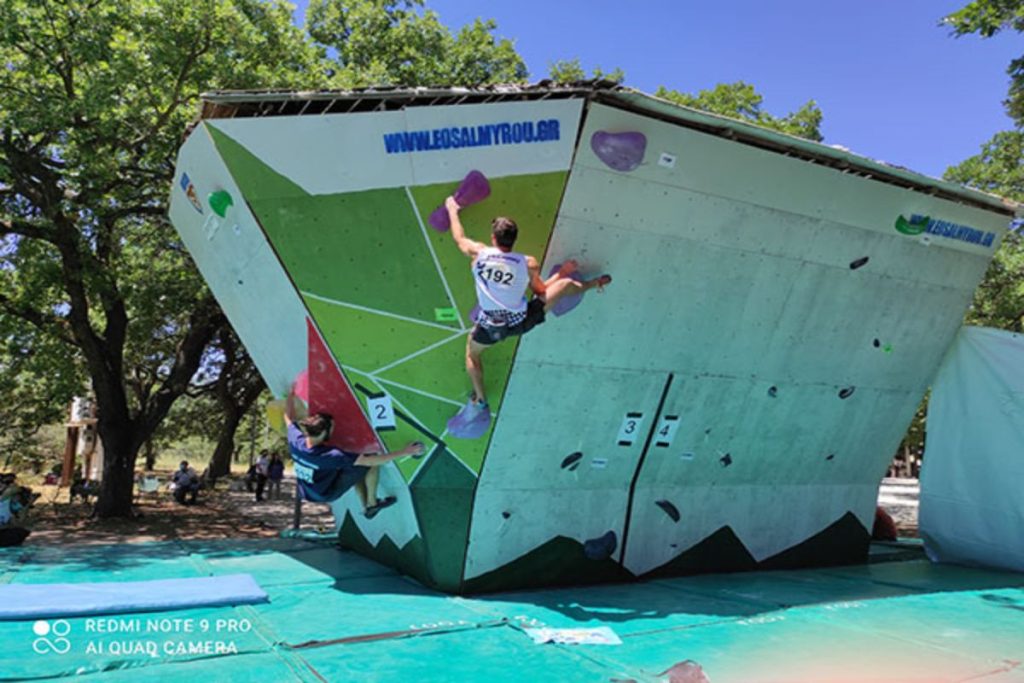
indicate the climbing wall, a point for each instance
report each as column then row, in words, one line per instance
column 343, row 204
column 730, row 401
column 734, row 398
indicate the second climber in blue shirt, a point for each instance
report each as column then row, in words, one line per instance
column 324, row 472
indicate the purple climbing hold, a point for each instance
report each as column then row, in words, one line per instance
column 471, row 422
column 602, row 547
column 569, row 301
column 620, row 151
column 474, row 188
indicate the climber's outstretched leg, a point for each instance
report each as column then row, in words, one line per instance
column 562, row 284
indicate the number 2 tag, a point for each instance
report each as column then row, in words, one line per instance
column 382, row 413
column 630, row 428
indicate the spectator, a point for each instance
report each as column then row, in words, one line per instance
column 261, row 474
column 275, row 473
column 186, row 483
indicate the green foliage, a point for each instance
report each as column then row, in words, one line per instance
column 96, row 94
column 397, row 42
column 741, row 101
column 998, row 169
column 570, row 71
column 987, row 18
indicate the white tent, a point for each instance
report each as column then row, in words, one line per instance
column 972, row 482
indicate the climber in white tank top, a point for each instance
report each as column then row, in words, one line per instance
column 502, row 277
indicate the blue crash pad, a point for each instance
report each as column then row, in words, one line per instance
column 34, row 601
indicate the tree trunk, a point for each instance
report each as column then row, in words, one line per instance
column 119, row 453
column 150, row 454
column 220, row 463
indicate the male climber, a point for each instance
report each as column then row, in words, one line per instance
column 502, row 277
column 324, row 473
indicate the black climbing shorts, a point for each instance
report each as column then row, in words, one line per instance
column 487, row 335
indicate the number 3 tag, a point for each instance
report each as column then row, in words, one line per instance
column 382, row 413
column 630, row 428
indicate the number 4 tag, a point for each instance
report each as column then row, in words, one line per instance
column 382, row 413
column 666, row 431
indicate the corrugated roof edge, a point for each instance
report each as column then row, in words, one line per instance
column 253, row 103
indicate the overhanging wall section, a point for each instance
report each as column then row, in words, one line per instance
column 801, row 326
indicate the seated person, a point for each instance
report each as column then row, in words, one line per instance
column 186, row 483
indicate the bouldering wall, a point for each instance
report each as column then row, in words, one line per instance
column 729, row 402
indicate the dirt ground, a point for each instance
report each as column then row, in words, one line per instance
column 226, row 513
column 219, row 513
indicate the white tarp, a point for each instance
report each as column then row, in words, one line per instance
column 972, row 482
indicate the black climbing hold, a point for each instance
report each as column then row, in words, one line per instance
column 239, row 282
column 506, row 515
column 571, row 458
column 773, row 391
column 726, row 460
column 669, row 509
column 847, row 392
column 602, row 547
column 854, row 265
column 830, row 456
column 876, row 343
column 708, row 430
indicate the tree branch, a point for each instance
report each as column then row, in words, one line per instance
column 46, row 323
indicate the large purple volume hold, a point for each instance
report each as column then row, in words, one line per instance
column 474, row 188
column 620, row 151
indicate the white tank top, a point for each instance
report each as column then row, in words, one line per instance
column 501, row 279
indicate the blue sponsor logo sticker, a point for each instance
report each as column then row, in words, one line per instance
column 918, row 224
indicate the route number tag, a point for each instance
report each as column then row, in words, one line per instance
column 382, row 413
column 666, row 431
column 630, row 428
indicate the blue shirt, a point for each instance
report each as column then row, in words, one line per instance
column 318, row 468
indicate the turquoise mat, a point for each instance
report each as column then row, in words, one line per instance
column 335, row 616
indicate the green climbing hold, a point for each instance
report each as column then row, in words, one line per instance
column 887, row 348
column 915, row 226
column 446, row 315
column 220, row 201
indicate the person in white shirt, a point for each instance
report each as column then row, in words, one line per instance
column 502, row 277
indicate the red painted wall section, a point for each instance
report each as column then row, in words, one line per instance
column 329, row 392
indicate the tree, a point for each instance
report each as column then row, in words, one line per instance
column 235, row 390
column 987, row 18
column 96, row 94
column 570, row 71
column 741, row 101
column 998, row 169
column 392, row 42
column 38, row 378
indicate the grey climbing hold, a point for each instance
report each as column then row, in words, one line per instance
column 602, row 547
column 572, row 458
column 854, row 265
column 669, row 509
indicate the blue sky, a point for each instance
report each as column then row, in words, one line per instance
column 892, row 84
